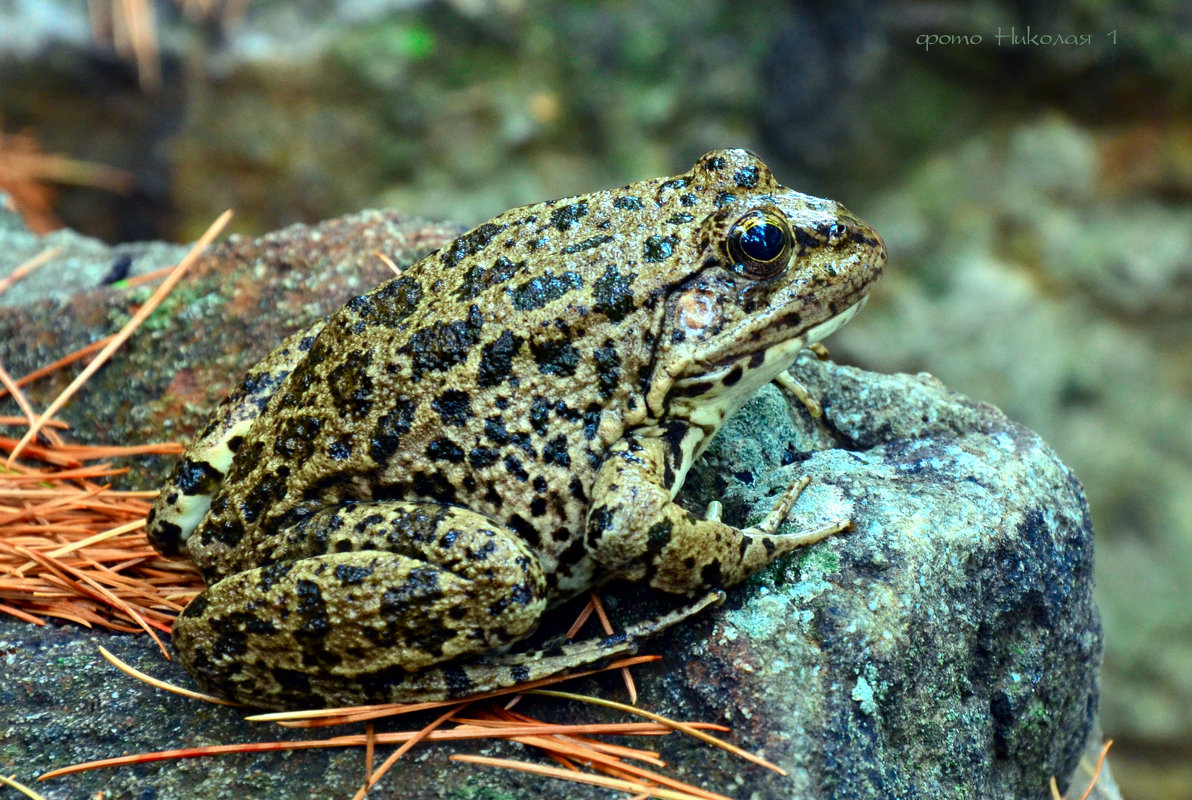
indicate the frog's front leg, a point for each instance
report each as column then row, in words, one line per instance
column 365, row 602
column 636, row 530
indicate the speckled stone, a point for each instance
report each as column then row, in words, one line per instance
column 949, row 645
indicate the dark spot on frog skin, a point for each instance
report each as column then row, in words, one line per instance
column 710, row 575
column 351, row 575
column 390, row 304
column 413, row 595
column 723, row 199
column 453, row 406
column 746, row 178
column 457, row 682
column 529, row 533
column 494, row 429
column 687, row 201
column 563, row 218
column 312, row 610
column 659, row 248
column 165, row 536
column 679, row 219
column 592, row 420
column 519, row 674
column 587, row 244
column 537, row 292
column 539, row 484
column 555, row 357
column 235, row 443
column 483, row 552
column 340, row 450
column 576, row 489
column 444, row 344
column 477, row 278
column 269, row 489
column 514, row 465
column 555, row 452
column 733, row 376
column 667, row 186
column 296, row 437
column 471, row 243
column 539, row 414
column 350, row 386
column 608, row 368
column 628, row 202
column 271, row 575
column 658, row 536
column 443, row 449
column 480, row 457
column 614, row 297
column 715, row 163
column 392, row 425
column 599, row 520
column 496, row 359
column 197, row 477
column 538, row 506
column 522, row 440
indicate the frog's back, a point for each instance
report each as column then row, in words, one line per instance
column 491, row 375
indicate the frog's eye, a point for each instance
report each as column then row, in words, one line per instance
column 759, row 244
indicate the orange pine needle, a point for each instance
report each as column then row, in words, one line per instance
column 679, row 726
column 555, row 772
column 630, row 686
column 22, row 402
column 387, row 261
column 42, row 258
column 66, row 360
column 388, row 763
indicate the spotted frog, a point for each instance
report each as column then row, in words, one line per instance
column 399, row 492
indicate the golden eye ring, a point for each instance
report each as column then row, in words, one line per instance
column 759, row 244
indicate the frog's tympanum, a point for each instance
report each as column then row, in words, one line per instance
column 399, row 492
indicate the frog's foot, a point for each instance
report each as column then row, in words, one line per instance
column 768, row 527
column 791, row 385
column 509, row 670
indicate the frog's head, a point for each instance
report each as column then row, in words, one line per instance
column 776, row 270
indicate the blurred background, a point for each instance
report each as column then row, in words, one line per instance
column 1029, row 165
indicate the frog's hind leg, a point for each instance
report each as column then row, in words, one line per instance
column 356, row 602
column 187, row 494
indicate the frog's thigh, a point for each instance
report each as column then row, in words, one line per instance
column 362, row 616
column 187, row 494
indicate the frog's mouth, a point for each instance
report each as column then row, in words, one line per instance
column 783, row 349
column 718, row 386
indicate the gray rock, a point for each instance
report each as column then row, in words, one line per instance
column 949, row 644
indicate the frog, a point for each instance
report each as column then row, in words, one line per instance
column 401, row 492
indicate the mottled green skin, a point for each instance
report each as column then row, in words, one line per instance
column 416, row 479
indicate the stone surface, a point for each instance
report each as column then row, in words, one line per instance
column 947, row 646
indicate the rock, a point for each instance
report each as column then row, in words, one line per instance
column 949, row 645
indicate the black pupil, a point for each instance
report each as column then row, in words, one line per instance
column 763, row 241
